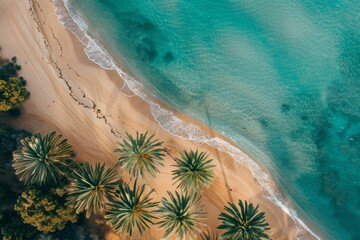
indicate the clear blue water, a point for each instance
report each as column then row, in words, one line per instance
column 281, row 78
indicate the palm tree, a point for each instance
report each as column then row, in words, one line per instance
column 208, row 236
column 91, row 187
column 42, row 160
column 130, row 209
column 180, row 214
column 140, row 154
column 193, row 170
column 246, row 224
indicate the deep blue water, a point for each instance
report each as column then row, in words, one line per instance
column 281, row 78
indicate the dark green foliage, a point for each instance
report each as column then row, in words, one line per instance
column 12, row 88
column 9, row 141
column 43, row 160
column 193, row 170
column 8, row 68
column 15, row 229
column 91, row 188
column 140, row 154
column 15, row 112
column 181, row 214
column 3, row 202
column 7, row 201
column 22, row 81
column 244, row 224
column 131, row 208
column 11, row 225
column 83, row 229
column 45, row 209
column 3, row 166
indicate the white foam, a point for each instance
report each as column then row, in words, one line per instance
column 74, row 21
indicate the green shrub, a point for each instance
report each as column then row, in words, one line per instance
column 15, row 229
column 45, row 210
column 12, row 94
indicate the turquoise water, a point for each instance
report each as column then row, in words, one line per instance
column 281, row 78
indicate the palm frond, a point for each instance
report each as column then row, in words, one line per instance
column 180, row 214
column 193, row 170
column 140, row 154
column 91, row 187
column 243, row 224
column 42, row 160
column 209, row 236
column 131, row 208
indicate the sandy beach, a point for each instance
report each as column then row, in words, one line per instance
column 83, row 102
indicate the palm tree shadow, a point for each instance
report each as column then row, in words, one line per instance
column 218, row 157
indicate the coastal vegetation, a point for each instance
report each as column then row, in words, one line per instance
column 243, row 223
column 8, row 68
column 42, row 160
column 91, row 188
column 11, row 224
column 15, row 228
column 12, row 88
column 9, row 141
column 12, row 93
column 45, row 209
column 3, row 201
column 193, row 170
column 131, row 209
column 56, row 197
column 141, row 154
column 181, row 214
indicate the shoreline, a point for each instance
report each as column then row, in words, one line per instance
column 57, row 58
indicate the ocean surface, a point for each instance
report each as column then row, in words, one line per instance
column 281, row 78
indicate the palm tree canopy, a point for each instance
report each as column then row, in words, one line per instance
column 246, row 224
column 42, row 160
column 131, row 208
column 193, row 170
column 140, row 154
column 181, row 214
column 91, row 187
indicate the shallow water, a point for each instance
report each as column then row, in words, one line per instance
column 281, row 78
